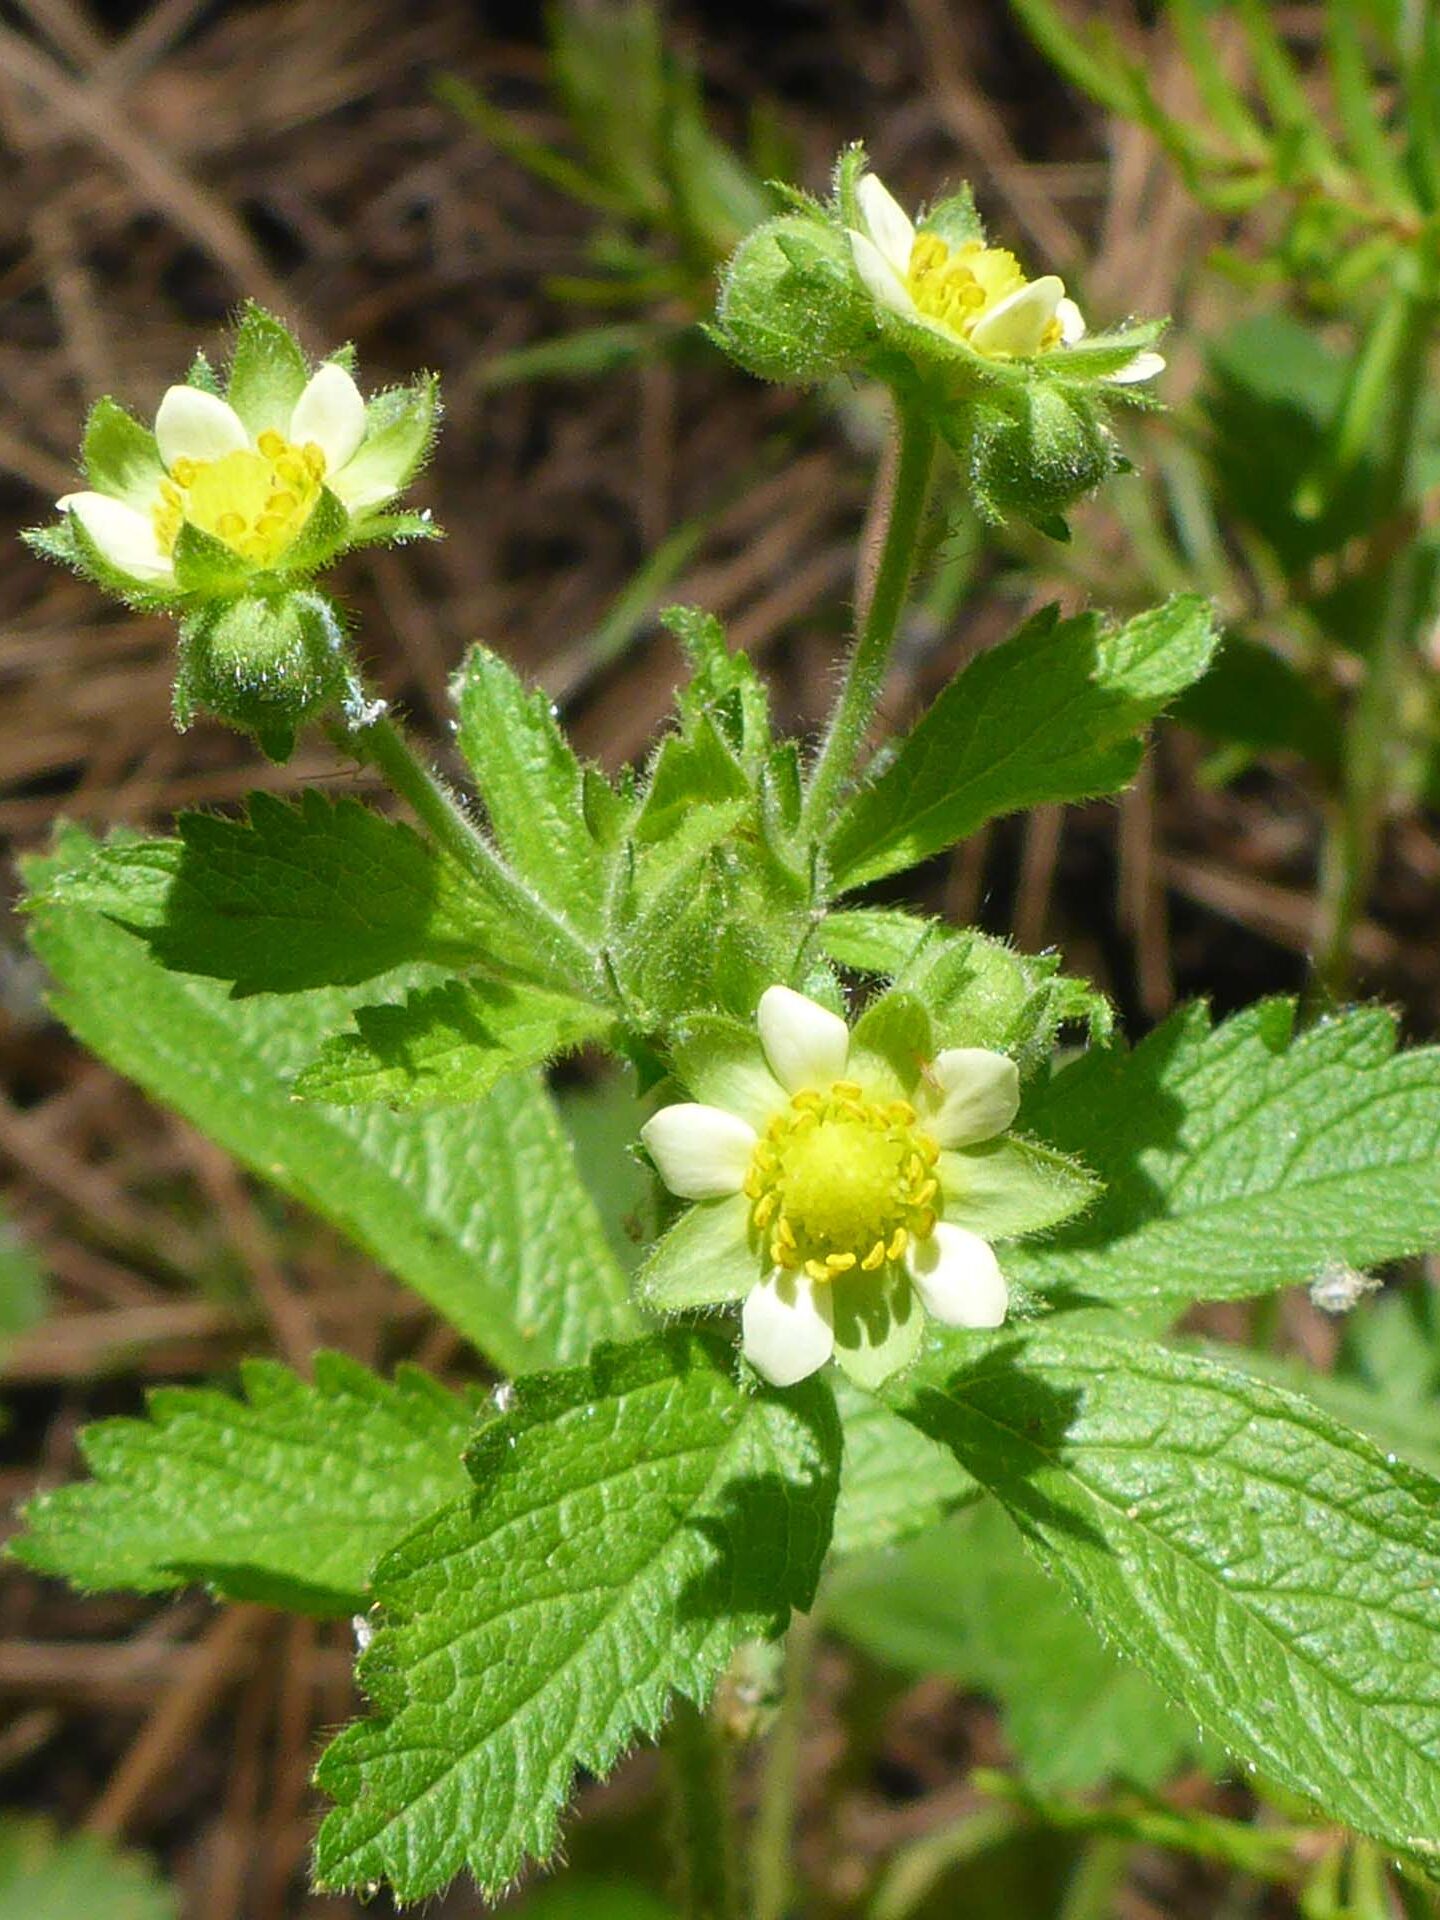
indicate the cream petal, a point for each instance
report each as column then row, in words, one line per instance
column 1018, row 324
column 806, row 1044
column 787, row 1326
column 702, row 1153
column 194, row 425
column 1072, row 322
column 124, row 535
column 886, row 222
column 958, row 1278
column 882, row 282
column 331, row 413
column 1144, row 366
column 975, row 1095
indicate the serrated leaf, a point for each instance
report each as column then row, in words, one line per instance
column 1243, row 1158
column 267, row 372
column 532, row 785
column 724, row 684
column 1275, row 1572
column 480, row 1211
column 288, row 1496
column 966, row 1600
column 301, row 894
column 894, row 1480
column 45, row 1875
column 1053, row 714
column 447, row 1045
column 633, row 1522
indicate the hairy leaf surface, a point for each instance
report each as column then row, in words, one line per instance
column 1275, row 1572
column 289, row 1495
column 632, row 1523
column 1241, row 1158
column 1053, row 714
column 480, row 1211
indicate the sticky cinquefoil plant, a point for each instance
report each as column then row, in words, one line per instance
column 957, row 1260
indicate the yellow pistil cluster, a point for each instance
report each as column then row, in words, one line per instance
column 838, row 1181
column 256, row 500
column 960, row 287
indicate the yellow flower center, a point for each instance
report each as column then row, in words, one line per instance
column 838, row 1181
column 256, row 500
column 960, row 287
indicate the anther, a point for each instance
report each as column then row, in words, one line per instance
column 875, row 1258
column 839, row 1262
column 899, row 1240
column 817, row 1270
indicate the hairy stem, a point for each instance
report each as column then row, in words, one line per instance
column 865, row 674
column 701, row 1819
column 1353, row 841
column 770, row 1873
column 381, row 743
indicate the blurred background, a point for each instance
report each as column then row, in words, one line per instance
column 535, row 206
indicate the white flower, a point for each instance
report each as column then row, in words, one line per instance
column 842, row 1185
column 254, row 493
column 972, row 292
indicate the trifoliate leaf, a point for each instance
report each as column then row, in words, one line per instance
column 1275, row 1572
column 448, row 1045
column 724, row 685
column 311, row 894
column 1243, row 1158
column 966, row 1600
column 532, row 785
column 633, row 1522
column 1054, row 714
column 48, row 1876
column 480, row 1211
column 289, row 1495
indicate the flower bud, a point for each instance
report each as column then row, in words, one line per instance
column 263, row 663
column 790, row 309
column 1036, row 451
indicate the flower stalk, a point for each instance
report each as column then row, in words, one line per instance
column 865, row 675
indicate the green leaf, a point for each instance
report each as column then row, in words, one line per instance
column 448, row 1045
column 1243, row 1158
column 633, row 1522
column 309, row 894
column 724, row 685
column 695, row 774
column 47, row 1876
column 121, row 457
column 1273, row 1571
column 267, row 372
column 479, row 1211
column 1053, row 714
column 532, row 786
column 288, row 1496
column 894, row 1481
column 966, row 1600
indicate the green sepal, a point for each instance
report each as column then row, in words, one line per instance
column 206, row 568
column 323, row 538
column 1002, row 1189
column 267, row 372
column 121, row 457
column 955, row 219
column 400, row 429
column 68, row 542
column 705, row 1260
column 897, row 1029
column 720, row 1062
column 201, row 374
column 879, row 1325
